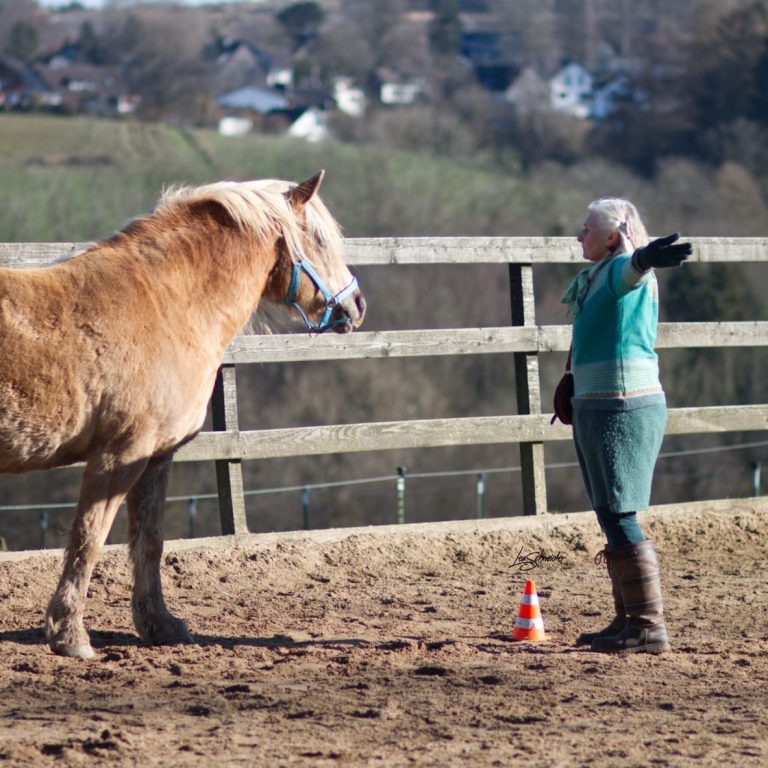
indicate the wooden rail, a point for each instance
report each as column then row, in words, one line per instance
column 228, row 446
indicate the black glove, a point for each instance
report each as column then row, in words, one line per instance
column 661, row 253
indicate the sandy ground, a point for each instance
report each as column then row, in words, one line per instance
column 392, row 648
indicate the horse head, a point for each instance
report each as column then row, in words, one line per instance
column 310, row 273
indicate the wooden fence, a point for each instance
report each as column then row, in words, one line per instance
column 228, row 446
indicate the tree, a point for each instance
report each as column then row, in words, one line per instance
column 92, row 48
column 723, row 60
column 391, row 39
column 759, row 106
column 22, row 40
column 445, row 28
column 340, row 49
column 165, row 66
column 301, row 21
column 20, row 23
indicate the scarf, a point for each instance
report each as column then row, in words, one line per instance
column 578, row 289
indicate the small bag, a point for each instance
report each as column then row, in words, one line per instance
column 563, row 395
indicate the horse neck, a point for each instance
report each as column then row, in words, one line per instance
column 213, row 273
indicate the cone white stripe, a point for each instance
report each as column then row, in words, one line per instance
column 529, row 599
column 537, row 623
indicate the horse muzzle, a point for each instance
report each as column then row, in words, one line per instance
column 349, row 314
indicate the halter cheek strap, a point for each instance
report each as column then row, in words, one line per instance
column 331, row 300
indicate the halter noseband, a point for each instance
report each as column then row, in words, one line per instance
column 331, row 300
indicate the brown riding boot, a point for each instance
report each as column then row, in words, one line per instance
column 620, row 619
column 637, row 570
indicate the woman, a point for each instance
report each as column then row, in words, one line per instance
column 619, row 408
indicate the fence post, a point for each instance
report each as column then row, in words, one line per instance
column 480, row 495
column 756, row 480
column 192, row 514
column 528, row 390
column 401, row 494
column 229, row 473
column 305, row 507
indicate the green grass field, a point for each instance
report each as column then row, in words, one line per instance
column 74, row 179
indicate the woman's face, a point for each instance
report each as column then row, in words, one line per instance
column 595, row 243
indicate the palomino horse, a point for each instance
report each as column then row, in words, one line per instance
column 110, row 358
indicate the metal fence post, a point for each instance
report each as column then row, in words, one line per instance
column 528, row 389
column 756, row 478
column 401, row 494
column 305, row 507
column 480, row 495
column 192, row 514
column 229, row 472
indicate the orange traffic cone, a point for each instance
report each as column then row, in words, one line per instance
column 529, row 625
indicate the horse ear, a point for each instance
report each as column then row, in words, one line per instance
column 302, row 193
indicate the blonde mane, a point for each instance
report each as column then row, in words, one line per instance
column 260, row 207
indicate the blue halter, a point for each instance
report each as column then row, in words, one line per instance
column 331, row 301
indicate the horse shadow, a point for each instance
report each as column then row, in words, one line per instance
column 105, row 639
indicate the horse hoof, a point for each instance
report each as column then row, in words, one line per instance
column 74, row 651
column 176, row 633
column 168, row 631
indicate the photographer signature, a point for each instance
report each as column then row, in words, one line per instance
column 533, row 559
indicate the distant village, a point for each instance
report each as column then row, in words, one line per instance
column 255, row 86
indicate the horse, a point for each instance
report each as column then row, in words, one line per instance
column 110, row 357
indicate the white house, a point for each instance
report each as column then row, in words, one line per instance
column 232, row 125
column 349, row 98
column 311, row 125
column 280, row 76
column 399, row 90
column 570, row 90
column 401, row 93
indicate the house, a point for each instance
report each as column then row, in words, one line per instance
column 349, row 97
column 528, row 93
column 570, row 90
column 250, row 107
column 89, row 88
column 11, row 82
column 22, row 88
column 611, row 96
column 300, row 113
column 236, row 67
column 398, row 90
column 300, row 99
column 311, row 125
column 235, row 126
column 239, row 64
column 251, row 99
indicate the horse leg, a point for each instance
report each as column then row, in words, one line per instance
column 146, row 511
column 105, row 482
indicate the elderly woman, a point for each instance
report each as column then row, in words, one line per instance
column 619, row 408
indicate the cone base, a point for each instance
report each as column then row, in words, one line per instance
column 530, row 635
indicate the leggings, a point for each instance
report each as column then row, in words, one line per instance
column 619, row 528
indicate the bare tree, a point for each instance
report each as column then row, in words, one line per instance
column 20, row 26
column 163, row 50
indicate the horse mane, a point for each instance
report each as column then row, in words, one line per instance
column 262, row 209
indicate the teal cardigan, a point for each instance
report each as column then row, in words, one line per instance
column 615, row 309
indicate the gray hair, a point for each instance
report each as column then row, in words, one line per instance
column 615, row 213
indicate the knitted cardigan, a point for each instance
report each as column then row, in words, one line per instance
column 615, row 309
